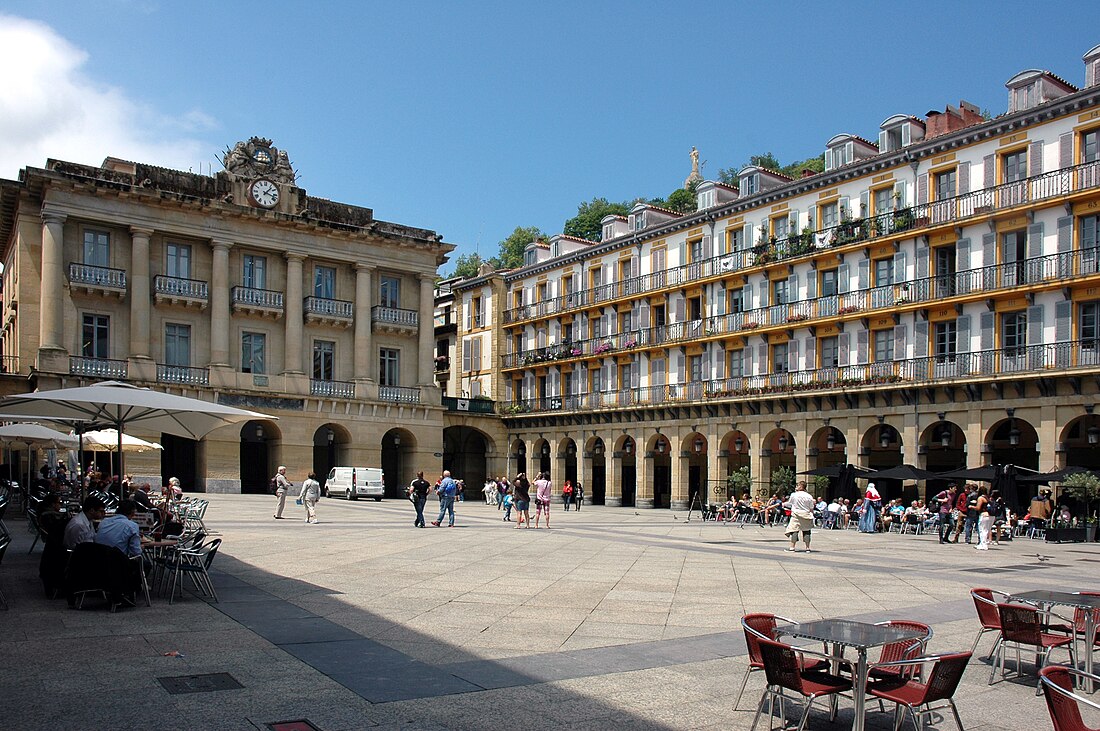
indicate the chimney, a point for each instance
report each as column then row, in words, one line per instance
column 951, row 119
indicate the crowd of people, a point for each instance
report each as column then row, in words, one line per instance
column 508, row 496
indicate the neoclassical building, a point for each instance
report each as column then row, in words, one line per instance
column 931, row 298
column 238, row 288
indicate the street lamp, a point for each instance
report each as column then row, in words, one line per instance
column 738, row 443
column 598, row 449
column 396, row 440
column 945, row 437
column 698, row 444
column 1094, row 435
column 330, row 437
column 628, row 446
column 830, row 441
column 884, row 437
column 661, row 447
column 1013, row 437
column 783, row 442
column 259, row 431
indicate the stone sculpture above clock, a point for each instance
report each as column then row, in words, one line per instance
column 257, row 158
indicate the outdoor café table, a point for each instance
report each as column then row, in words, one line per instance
column 841, row 633
column 1084, row 602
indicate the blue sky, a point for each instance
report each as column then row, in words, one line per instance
column 474, row 118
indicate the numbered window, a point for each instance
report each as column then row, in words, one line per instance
column 830, row 215
column 735, row 300
column 884, row 201
column 97, row 248
column 1014, row 332
column 95, row 340
column 1015, row 166
column 735, row 239
column 779, row 358
column 945, row 339
column 324, row 360
column 1089, row 325
column 830, row 352
column 779, row 292
column 177, row 344
column 253, row 353
column 883, row 345
column 1090, row 146
column 735, row 368
column 829, row 281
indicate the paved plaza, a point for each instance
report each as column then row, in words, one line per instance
column 614, row 619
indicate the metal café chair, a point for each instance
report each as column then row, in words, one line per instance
column 986, row 604
column 1063, row 704
column 763, row 626
column 195, row 563
column 1021, row 626
column 5, row 541
column 919, row 698
column 786, row 669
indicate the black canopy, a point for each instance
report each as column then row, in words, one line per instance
column 904, row 472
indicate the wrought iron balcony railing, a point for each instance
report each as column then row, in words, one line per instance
column 471, row 405
column 950, row 368
column 904, row 221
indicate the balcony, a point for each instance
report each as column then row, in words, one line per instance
column 324, row 311
column 97, row 367
column 9, row 365
column 257, row 302
column 902, row 223
column 394, row 320
column 183, row 375
column 471, row 405
column 180, row 292
column 1045, row 272
column 331, row 389
column 399, row 394
column 97, row 280
column 1047, row 359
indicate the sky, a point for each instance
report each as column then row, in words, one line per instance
column 472, row 118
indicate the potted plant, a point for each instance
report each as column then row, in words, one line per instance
column 1085, row 486
column 783, row 480
column 739, row 482
column 820, row 485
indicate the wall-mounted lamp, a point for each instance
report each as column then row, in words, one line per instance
column 830, row 441
column 259, row 431
column 598, row 449
column 1013, row 437
column 661, row 447
column 330, row 436
column 396, row 440
column 738, row 443
column 545, row 450
column 783, row 442
column 942, row 415
column 945, row 437
column 1094, row 435
column 628, row 446
column 885, row 437
column 698, row 445
column 571, row 449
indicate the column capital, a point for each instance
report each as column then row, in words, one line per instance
column 294, row 256
column 367, row 268
column 426, row 277
column 141, row 231
column 217, row 244
column 53, row 217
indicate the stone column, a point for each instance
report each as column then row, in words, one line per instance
column 292, row 361
column 583, row 471
column 612, row 477
column 51, row 315
column 714, row 470
column 427, row 330
column 140, row 303
column 219, row 304
column 362, row 357
column 643, row 463
column 678, row 474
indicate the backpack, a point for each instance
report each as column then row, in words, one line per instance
column 273, row 486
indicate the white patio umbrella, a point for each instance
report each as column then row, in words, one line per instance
column 107, row 440
column 122, row 404
column 36, row 435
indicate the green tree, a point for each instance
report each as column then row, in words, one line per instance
column 739, row 482
column 586, row 224
column 466, row 266
column 1085, row 487
column 783, row 480
column 511, row 248
column 770, row 162
column 681, row 201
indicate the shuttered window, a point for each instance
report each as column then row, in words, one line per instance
column 1015, row 166
column 884, row 345
column 830, row 353
column 945, row 184
column 1013, row 332
column 829, row 215
column 736, row 363
column 779, row 358
column 1090, row 325
column 1090, row 146
column 884, row 272
column 946, row 339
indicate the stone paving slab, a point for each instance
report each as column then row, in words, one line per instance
column 612, row 619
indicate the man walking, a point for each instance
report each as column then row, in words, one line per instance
column 946, row 500
column 281, row 486
column 446, row 491
column 420, row 488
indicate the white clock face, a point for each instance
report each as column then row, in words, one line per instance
column 265, row 193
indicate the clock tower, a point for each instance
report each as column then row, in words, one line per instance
column 262, row 175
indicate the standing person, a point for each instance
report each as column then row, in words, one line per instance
column 578, row 495
column 502, row 491
column 543, row 496
column 802, row 516
column 490, row 490
column 567, row 494
column 310, row 494
column 281, row 486
column 507, row 502
column 871, row 505
column 446, row 490
column 972, row 493
column 985, row 519
column 521, row 498
column 998, row 514
column 946, row 500
column 419, row 496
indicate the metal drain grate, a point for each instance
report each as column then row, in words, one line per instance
column 208, row 683
column 299, row 725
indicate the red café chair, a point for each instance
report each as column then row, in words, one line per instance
column 1021, row 626
column 785, row 670
column 1079, row 617
column 904, row 650
column 920, row 698
column 986, row 604
column 764, row 626
column 1065, row 705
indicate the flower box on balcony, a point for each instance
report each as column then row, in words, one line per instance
column 750, row 325
column 849, row 309
column 602, row 348
column 631, row 344
column 796, row 318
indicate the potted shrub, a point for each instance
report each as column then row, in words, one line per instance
column 783, row 480
column 739, row 482
column 1086, row 488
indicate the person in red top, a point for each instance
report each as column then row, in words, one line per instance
column 959, row 515
column 946, row 499
column 567, row 494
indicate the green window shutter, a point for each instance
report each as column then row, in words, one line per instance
column 963, row 249
column 811, row 284
column 962, row 324
column 1065, row 150
column 865, row 274
column 1063, row 321
column 922, row 255
column 899, row 194
column 989, row 171
column 922, row 189
column 989, row 249
column 1065, row 234
column 901, row 267
column 1035, row 325
column 865, row 203
column 843, row 279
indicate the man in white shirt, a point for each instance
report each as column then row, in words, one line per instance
column 81, row 529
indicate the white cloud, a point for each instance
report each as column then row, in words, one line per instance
column 50, row 108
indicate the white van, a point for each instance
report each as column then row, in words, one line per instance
column 355, row 482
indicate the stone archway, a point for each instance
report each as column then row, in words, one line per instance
column 1080, row 440
column 465, row 454
column 1012, row 441
column 880, row 449
column 330, row 449
column 260, row 451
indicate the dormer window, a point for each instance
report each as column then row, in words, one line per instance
column 555, row 249
column 1033, row 87
column 530, row 257
column 899, row 131
column 608, row 232
column 705, row 200
column 638, row 220
column 750, row 184
column 838, row 156
column 1025, row 97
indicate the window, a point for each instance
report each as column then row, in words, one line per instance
column 626, row 376
column 781, row 227
column 830, row 352
column 388, row 367
column 884, row 345
column 945, row 343
column 1090, row 325
column 779, row 292
column 830, row 215
column 695, row 308
column 389, row 292
column 1090, row 146
column 828, row 283
column 884, row 201
column 595, row 275
column 596, row 376
column 750, row 184
column 177, row 344
column 95, row 341
column 255, row 271
column 97, row 248
column 324, row 360
column 1014, row 257
column 696, row 249
column 736, row 301
column 596, row 326
column 253, row 347
column 736, row 367
column 639, row 221
column 178, row 261
column 1090, row 232
column 657, row 262
column 779, row 358
column 324, row 282
column 658, row 314
column 695, row 368
column 884, row 272
column 477, row 308
column 945, row 184
column 625, row 323
column 530, row 257
column 567, row 383
column 735, row 239
column 1014, row 333
column 1015, row 166
column 1025, row 97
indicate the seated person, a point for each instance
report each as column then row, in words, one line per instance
column 892, row 514
column 81, row 529
column 773, row 505
column 141, row 497
column 120, row 531
column 832, row 514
